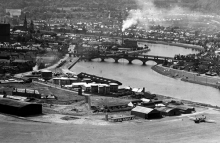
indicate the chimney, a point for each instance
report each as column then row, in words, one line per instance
column 143, row 90
column 122, row 38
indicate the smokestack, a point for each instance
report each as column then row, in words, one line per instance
column 122, row 32
column 122, row 38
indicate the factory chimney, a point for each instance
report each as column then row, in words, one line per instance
column 121, row 29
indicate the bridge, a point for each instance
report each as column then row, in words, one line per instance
column 129, row 58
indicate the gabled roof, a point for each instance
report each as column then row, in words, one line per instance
column 164, row 109
column 13, row 103
column 181, row 107
column 142, row 109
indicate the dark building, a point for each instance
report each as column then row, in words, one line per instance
column 167, row 111
column 19, row 108
column 46, row 74
column 183, row 108
column 5, row 33
column 130, row 44
column 146, row 113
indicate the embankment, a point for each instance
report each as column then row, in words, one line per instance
column 196, row 47
column 187, row 76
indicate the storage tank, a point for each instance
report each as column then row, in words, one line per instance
column 107, row 89
column 64, row 81
column 56, row 81
column 94, row 88
column 101, row 89
column 79, row 91
column 113, row 87
column 46, row 74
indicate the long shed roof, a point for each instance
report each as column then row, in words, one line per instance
column 14, row 103
column 142, row 109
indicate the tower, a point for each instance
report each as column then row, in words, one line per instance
column 31, row 28
column 121, row 28
column 25, row 22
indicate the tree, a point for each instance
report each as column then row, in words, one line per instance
column 215, row 60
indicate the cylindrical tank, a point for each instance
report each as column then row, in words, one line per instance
column 101, row 89
column 107, row 89
column 94, row 88
column 113, row 87
column 79, row 91
column 46, row 74
column 56, row 81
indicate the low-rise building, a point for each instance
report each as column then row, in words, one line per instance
column 146, row 113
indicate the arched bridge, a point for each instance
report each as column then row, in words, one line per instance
column 130, row 58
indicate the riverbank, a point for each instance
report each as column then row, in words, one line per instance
column 187, row 76
column 195, row 47
column 191, row 46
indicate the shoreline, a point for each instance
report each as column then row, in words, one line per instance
column 186, row 76
column 183, row 45
column 163, row 71
column 185, row 101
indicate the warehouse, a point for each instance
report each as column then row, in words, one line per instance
column 167, row 111
column 26, row 93
column 146, row 113
column 183, row 108
column 19, row 108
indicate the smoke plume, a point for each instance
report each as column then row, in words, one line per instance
column 35, row 68
column 147, row 13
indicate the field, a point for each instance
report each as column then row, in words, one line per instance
column 167, row 130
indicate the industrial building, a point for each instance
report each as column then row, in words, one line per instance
column 183, row 108
column 19, row 108
column 146, row 113
column 113, row 87
column 46, row 74
column 64, row 81
column 167, row 111
column 102, row 89
column 98, row 79
column 26, row 93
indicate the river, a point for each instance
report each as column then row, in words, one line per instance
column 137, row 75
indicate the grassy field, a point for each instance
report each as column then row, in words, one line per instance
column 61, row 94
column 167, row 130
